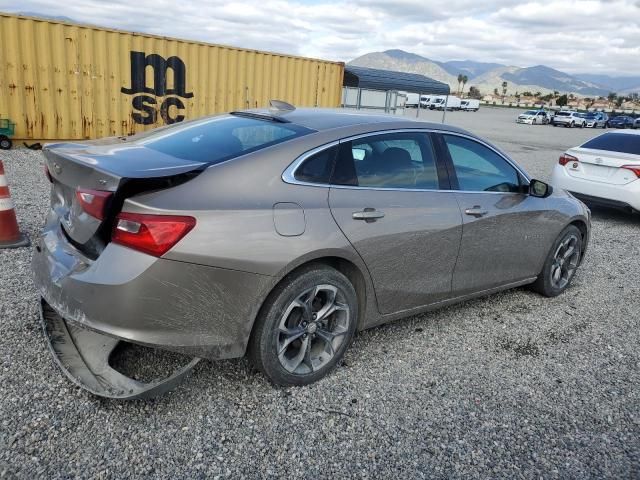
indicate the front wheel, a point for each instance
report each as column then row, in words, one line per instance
column 561, row 263
column 305, row 327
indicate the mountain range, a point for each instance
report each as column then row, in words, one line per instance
column 488, row 76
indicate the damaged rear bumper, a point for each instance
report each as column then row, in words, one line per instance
column 83, row 356
column 124, row 295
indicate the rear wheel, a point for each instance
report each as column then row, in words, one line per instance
column 561, row 263
column 305, row 327
column 5, row 142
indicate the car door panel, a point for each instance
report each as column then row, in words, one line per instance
column 503, row 245
column 505, row 231
column 386, row 198
column 411, row 251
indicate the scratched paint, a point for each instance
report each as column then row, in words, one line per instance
column 62, row 81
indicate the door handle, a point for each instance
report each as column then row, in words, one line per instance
column 368, row 215
column 476, row 211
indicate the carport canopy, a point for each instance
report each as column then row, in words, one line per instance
column 375, row 79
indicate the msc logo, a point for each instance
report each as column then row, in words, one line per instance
column 145, row 106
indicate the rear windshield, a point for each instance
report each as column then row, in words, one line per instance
column 616, row 142
column 563, row 114
column 216, row 139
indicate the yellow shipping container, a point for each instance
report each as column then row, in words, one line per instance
column 62, row 81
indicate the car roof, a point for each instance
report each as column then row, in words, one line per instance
column 321, row 119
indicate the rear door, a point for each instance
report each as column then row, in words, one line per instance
column 388, row 197
column 504, row 234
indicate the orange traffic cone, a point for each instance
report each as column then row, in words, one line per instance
column 10, row 236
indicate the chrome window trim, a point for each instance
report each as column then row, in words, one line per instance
column 288, row 176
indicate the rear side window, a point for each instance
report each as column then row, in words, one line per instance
column 317, row 168
column 616, row 142
column 216, row 139
column 402, row 160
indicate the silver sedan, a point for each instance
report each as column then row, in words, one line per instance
column 278, row 234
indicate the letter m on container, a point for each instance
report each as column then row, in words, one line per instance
column 146, row 113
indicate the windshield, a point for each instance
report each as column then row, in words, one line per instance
column 215, row 139
column 616, row 142
column 530, row 112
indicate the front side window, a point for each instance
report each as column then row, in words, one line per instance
column 480, row 169
column 394, row 160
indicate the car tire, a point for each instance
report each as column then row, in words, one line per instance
column 293, row 342
column 5, row 142
column 561, row 263
column 572, row 124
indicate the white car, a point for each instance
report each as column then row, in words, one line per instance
column 568, row 118
column 605, row 170
column 533, row 117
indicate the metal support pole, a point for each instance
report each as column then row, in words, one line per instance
column 418, row 106
column 444, row 112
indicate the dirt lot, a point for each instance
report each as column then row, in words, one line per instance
column 510, row 386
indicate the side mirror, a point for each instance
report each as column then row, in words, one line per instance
column 538, row 188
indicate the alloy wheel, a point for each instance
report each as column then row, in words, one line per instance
column 312, row 329
column 565, row 262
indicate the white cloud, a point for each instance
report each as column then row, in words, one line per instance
column 576, row 36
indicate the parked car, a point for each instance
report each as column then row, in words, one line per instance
column 604, row 170
column 568, row 118
column 533, row 117
column 470, row 105
column 636, row 123
column 596, row 119
column 621, row 121
column 278, row 233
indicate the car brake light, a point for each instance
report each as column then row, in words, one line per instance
column 566, row 158
column 152, row 234
column 634, row 168
column 93, row 202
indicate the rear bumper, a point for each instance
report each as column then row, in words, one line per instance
column 192, row 309
column 619, row 196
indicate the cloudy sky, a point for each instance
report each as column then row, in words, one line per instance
column 574, row 36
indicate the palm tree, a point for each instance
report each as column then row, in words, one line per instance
column 612, row 96
column 465, row 79
column 504, row 90
column 460, row 77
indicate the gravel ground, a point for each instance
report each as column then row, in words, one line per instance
column 512, row 386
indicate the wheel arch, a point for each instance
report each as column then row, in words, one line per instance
column 584, row 231
column 353, row 269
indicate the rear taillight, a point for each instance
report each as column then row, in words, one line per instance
column 634, row 168
column 152, row 234
column 93, row 202
column 566, row 158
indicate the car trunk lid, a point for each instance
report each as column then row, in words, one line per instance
column 602, row 166
column 103, row 167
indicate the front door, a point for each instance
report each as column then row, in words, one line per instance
column 504, row 229
column 386, row 198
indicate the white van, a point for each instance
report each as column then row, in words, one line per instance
column 470, row 105
column 412, row 100
column 452, row 103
